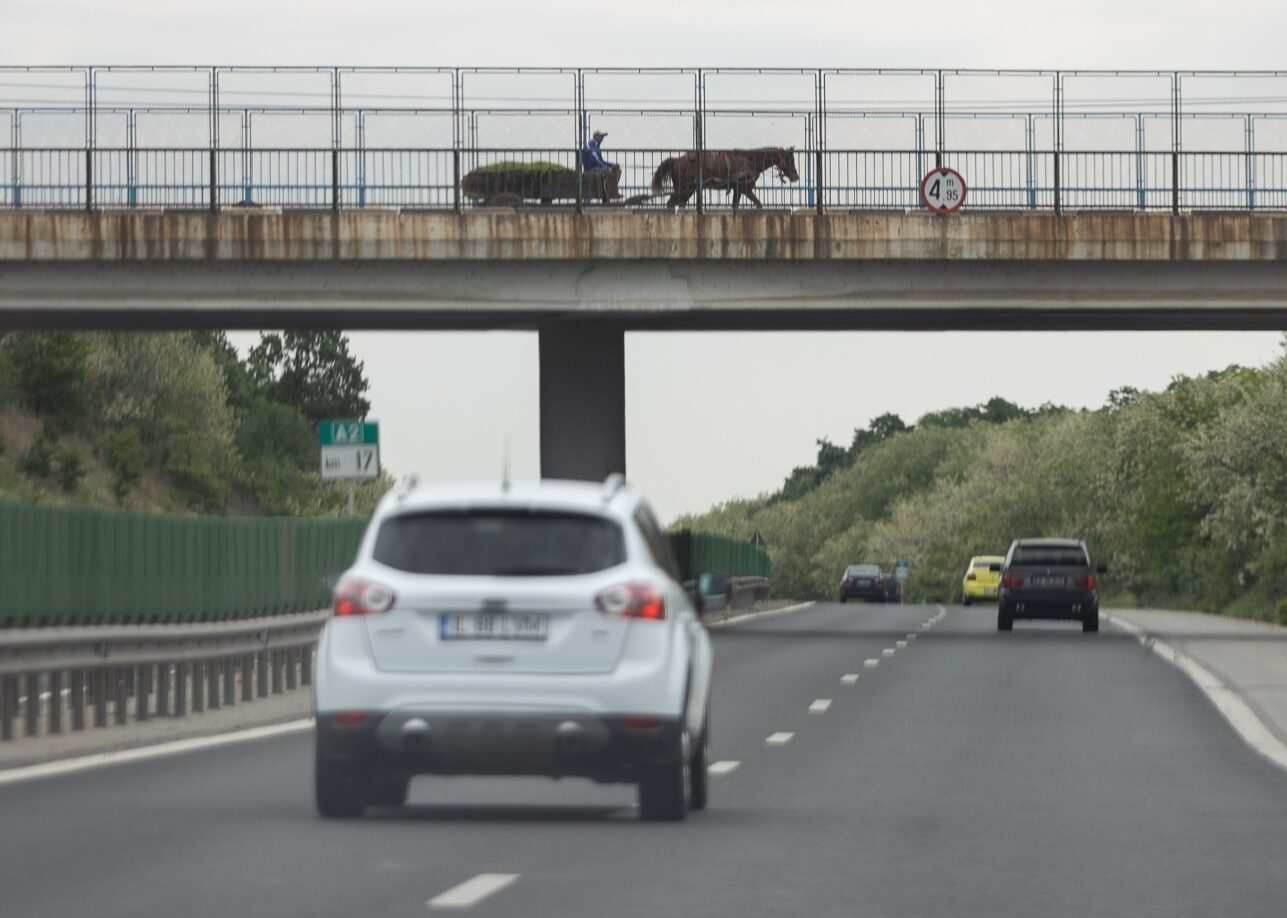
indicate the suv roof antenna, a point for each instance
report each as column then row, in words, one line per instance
column 409, row 483
column 612, row 484
column 505, row 467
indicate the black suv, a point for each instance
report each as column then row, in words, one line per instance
column 1048, row 578
column 868, row 581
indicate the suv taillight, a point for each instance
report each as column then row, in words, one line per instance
column 361, row 597
column 632, row 600
column 849, row 581
column 880, row 581
column 1011, row 580
column 1085, row 583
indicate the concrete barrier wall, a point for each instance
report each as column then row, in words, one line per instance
column 508, row 234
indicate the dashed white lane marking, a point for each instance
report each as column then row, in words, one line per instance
column 849, row 678
column 778, row 739
column 871, row 663
column 819, row 705
column 471, row 892
column 901, row 645
column 725, row 767
column 98, row 759
column 911, row 636
column 887, row 652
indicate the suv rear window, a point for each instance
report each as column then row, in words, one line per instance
column 863, row 570
column 1048, row 556
column 500, row 543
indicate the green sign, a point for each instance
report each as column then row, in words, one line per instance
column 902, row 570
column 348, row 433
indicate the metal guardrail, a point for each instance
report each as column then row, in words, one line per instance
column 742, row 592
column 163, row 670
column 431, row 179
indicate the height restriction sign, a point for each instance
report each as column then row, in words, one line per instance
column 943, row 191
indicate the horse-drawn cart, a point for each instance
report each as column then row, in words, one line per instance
column 512, row 183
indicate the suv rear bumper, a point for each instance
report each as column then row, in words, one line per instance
column 1076, row 607
column 875, row 594
column 408, row 742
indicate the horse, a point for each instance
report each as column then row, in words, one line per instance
column 724, row 170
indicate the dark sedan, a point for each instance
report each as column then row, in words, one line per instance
column 1048, row 578
column 868, row 581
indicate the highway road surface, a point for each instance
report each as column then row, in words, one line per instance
column 966, row 772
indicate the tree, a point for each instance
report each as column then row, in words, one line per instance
column 49, row 369
column 312, row 371
column 886, row 426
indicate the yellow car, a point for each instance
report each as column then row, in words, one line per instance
column 982, row 578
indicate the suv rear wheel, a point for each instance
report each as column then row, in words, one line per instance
column 1090, row 623
column 663, row 789
column 698, row 777
column 390, row 792
column 339, row 790
column 1005, row 620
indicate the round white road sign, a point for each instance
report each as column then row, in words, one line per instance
column 943, row 191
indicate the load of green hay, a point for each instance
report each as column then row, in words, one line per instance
column 538, row 181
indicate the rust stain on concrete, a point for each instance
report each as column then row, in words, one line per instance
column 503, row 234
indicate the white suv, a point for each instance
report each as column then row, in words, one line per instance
column 512, row 629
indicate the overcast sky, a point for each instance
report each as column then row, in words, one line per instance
column 447, row 402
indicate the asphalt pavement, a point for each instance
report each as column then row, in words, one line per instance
column 1038, row 773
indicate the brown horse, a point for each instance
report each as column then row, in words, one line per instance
column 723, row 170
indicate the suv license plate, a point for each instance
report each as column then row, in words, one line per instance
column 1045, row 581
column 493, row 626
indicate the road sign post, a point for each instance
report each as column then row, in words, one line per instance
column 902, row 572
column 350, row 451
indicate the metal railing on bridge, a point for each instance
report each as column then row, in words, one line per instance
column 447, row 179
column 406, row 137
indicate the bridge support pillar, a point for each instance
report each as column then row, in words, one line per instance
column 583, row 399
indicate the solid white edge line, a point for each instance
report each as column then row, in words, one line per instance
column 1245, row 722
column 819, row 706
column 778, row 739
column 140, row 753
column 767, row 613
column 472, row 891
column 724, row 767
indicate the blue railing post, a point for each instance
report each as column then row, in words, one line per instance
column 1141, row 170
column 1251, row 164
column 1032, row 187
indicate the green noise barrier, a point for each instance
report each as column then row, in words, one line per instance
column 90, row 566
column 87, row 566
column 703, row 552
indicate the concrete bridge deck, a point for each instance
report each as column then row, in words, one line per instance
column 489, row 268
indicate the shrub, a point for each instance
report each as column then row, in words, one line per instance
column 38, row 461
column 123, row 451
column 1280, row 611
column 70, row 466
column 201, row 489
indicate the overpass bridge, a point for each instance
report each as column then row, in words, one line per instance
column 583, row 280
column 328, row 196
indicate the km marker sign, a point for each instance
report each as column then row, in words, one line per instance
column 350, row 450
